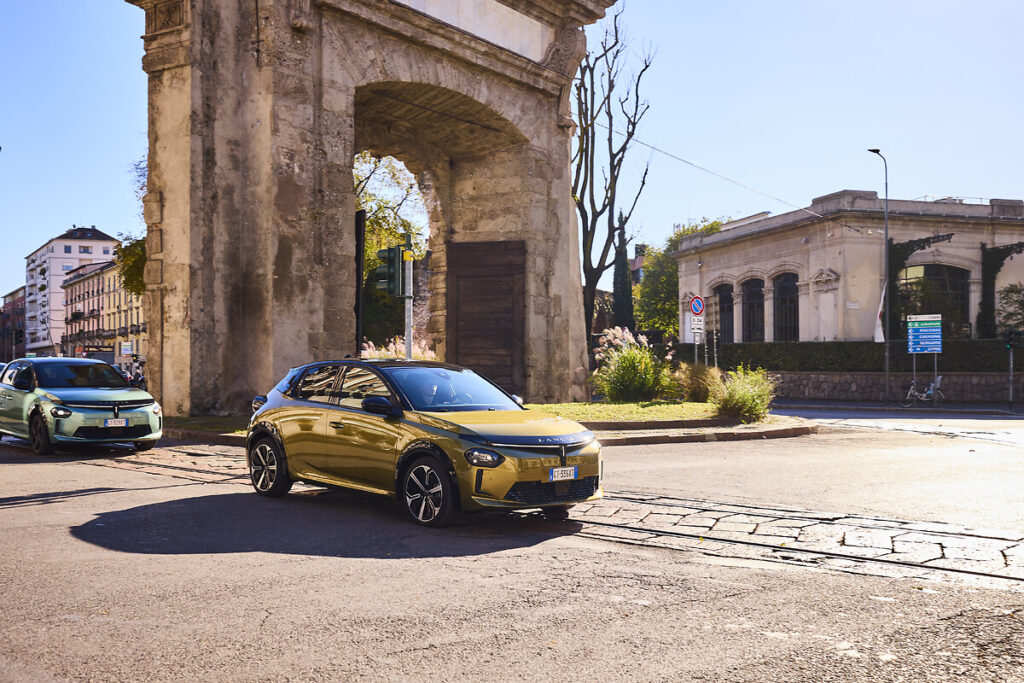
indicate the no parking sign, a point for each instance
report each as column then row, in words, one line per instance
column 697, row 306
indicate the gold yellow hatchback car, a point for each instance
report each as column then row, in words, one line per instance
column 439, row 438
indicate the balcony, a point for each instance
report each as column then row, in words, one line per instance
column 142, row 327
column 122, row 331
column 133, row 329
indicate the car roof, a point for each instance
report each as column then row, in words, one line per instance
column 46, row 360
column 389, row 363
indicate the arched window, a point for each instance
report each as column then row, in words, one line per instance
column 935, row 288
column 753, row 310
column 723, row 301
column 786, row 307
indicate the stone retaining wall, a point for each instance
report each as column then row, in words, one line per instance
column 958, row 387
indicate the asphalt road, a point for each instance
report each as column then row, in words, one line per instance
column 165, row 566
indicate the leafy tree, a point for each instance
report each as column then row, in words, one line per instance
column 608, row 109
column 130, row 255
column 388, row 193
column 1011, row 307
column 657, row 295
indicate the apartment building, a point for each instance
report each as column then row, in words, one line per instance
column 12, row 325
column 45, row 270
column 102, row 319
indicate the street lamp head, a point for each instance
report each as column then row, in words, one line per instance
column 874, row 150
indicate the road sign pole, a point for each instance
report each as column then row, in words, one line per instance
column 407, row 276
column 1011, row 378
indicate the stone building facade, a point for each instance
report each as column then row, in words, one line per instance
column 256, row 111
column 816, row 274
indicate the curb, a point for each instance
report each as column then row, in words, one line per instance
column 205, row 437
column 630, row 440
column 641, row 439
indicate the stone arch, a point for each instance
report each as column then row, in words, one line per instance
column 256, row 110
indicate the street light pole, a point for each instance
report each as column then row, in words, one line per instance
column 887, row 287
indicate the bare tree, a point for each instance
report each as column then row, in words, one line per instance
column 608, row 110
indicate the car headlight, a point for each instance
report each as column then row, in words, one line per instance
column 481, row 457
column 60, row 412
column 156, row 408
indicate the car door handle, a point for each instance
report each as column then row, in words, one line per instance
column 338, row 425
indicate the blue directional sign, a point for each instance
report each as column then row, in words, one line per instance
column 924, row 333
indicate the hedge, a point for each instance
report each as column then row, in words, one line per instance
column 958, row 355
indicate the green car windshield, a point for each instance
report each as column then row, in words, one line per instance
column 443, row 389
column 78, row 376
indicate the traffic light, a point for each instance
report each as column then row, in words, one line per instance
column 19, row 337
column 1014, row 339
column 389, row 273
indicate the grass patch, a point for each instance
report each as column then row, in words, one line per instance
column 233, row 424
column 627, row 412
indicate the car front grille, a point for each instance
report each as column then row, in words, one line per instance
column 121, row 405
column 544, row 492
column 113, row 432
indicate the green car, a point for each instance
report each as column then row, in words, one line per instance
column 63, row 401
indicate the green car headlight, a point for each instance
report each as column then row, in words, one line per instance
column 60, row 412
column 481, row 457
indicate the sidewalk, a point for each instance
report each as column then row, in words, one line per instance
column 993, row 408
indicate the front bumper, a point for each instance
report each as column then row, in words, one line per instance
column 521, row 481
column 88, row 426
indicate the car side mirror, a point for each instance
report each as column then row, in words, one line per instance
column 258, row 402
column 517, row 399
column 380, row 405
column 22, row 384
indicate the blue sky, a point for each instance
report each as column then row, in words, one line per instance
column 782, row 96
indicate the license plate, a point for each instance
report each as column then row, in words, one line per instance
column 116, row 422
column 561, row 473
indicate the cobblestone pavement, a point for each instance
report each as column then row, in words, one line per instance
column 858, row 544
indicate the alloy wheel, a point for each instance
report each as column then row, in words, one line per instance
column 263, row 467
column 424, row 493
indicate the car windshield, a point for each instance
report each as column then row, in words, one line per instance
column 448, row 389
column 78, row 375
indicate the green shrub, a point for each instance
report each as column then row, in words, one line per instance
column 695, row 383
column 746, row 394
column 628, row 369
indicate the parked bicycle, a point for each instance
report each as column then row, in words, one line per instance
column 916, row 391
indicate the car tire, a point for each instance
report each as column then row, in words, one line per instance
column 560, row 512
column 39, row 435
column 144, row 445
column 268, row 469
column 427, row 493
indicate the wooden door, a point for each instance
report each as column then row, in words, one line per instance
column 486, row 306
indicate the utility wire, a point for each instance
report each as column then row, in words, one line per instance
column 731, row 180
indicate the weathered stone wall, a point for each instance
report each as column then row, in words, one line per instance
column 256, row 110
column 957, row 387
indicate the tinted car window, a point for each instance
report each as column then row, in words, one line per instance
column 317, row 384
column 284, row 385
column 361, row 383
column 81, row 375
column 444, row 389
column 8, row 376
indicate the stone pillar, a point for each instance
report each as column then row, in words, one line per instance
column 769, row 311
column 249, row 206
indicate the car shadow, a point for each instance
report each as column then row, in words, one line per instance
column 325, row 523
column 15, row 451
